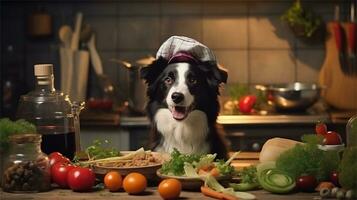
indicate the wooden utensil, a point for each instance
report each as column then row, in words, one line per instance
column 341, row 89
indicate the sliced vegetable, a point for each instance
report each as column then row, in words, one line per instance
column 217, row 195
column 175, row 166
column 189, row 170
column 212, row 183
column 274, row 180
column 244, row 186
column 249, row 179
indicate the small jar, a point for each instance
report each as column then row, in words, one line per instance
column 26, row 169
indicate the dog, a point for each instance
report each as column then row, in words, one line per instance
column 183, row 106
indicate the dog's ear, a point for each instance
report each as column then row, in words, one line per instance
column 151, row 72
column 215, row 74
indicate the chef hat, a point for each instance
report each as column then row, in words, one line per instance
column 184, row 49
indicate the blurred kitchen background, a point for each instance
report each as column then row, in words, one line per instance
column 248, row 37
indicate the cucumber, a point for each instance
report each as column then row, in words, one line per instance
column 274, row 180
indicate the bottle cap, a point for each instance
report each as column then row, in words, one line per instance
column 43, row 69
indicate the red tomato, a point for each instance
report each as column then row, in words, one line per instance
column 334, row 178
column 332, row 138
column 57, row 157
column 306, row 183
column 81, row 179
column 59, row 173
column 246, row 103
column 321, row 128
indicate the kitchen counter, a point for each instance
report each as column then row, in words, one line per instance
column 151, row 193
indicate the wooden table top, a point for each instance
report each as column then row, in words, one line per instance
column 150, row 193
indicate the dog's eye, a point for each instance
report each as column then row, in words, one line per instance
column 192, row 80
column 169, row 80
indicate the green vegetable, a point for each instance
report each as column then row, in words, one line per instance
column 189, row 170
column 348, row 169
column 308, row 159
column 274, row 180
column 100, row 150
column 8, row 128
column 224, row 168
column 296, row 16
column 249, row 179
column 212, row 183
column 175, row 166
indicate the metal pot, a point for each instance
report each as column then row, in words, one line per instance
column 291, row 97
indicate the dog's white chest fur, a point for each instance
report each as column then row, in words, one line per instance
column 188, row 135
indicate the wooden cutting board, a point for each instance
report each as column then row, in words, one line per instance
column 341, row 91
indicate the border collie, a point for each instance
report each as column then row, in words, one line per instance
column 183, row 106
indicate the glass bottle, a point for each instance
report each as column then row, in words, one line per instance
column 26, row 169
column 351, row 131
column 55, row 116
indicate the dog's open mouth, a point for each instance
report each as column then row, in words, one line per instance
column 180, row 112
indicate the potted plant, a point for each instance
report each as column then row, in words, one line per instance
column 305, row 24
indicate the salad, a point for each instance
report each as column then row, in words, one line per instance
column 196, row 165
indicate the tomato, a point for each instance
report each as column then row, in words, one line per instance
column 134, row 183
column 57, row 157
column 81, row 179
column 246, row 103
column 306, row 183
column 59, row 173
column 334, row 178
column 332, row 138
column 113, row 181
column 170, row 188
column 321, row 128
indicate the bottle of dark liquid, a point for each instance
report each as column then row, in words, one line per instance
column 55, row 117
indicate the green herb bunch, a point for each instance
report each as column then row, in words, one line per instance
column 8, row 128
column 176, row 164
column 297, row 16
column 100, row 149
column 309, row 159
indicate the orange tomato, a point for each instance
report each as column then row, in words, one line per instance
column 113, row 181
column 134, row 183
column 170, row 188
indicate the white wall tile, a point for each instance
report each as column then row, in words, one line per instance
column 181, row 8
column 269, row 32
column 178, row 25
column 225, row 32
column 139, row 33
column 271, row 66
column 105, row 29
column 309, row 63
column 236, row 62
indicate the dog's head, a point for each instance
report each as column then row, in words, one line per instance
column 183, row 87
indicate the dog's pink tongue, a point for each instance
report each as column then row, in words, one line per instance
column 179, row 113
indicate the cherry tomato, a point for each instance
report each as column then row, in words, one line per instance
column 57, row 157
column 246, row 103
column 81, row 179
column 334, row 178
column 321, row 128
column 170, row 188
column 59, row 173
column 113, row 181
column 134, row 183
column 332, row 138
column 306, row 183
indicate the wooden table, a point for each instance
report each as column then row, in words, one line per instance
column 151, row 193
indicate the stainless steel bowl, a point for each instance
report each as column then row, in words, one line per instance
column 291, row 97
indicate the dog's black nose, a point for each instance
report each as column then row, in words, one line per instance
column 177, row 97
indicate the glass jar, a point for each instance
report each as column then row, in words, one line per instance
column 26, row 169
column 55, row 116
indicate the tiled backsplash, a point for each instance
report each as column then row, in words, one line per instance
column 248, row 37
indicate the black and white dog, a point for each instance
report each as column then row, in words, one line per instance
column 183, row 106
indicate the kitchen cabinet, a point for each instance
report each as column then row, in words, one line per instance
column 151, row 193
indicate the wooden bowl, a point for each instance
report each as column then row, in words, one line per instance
column 192, row 183
column 148, row 171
